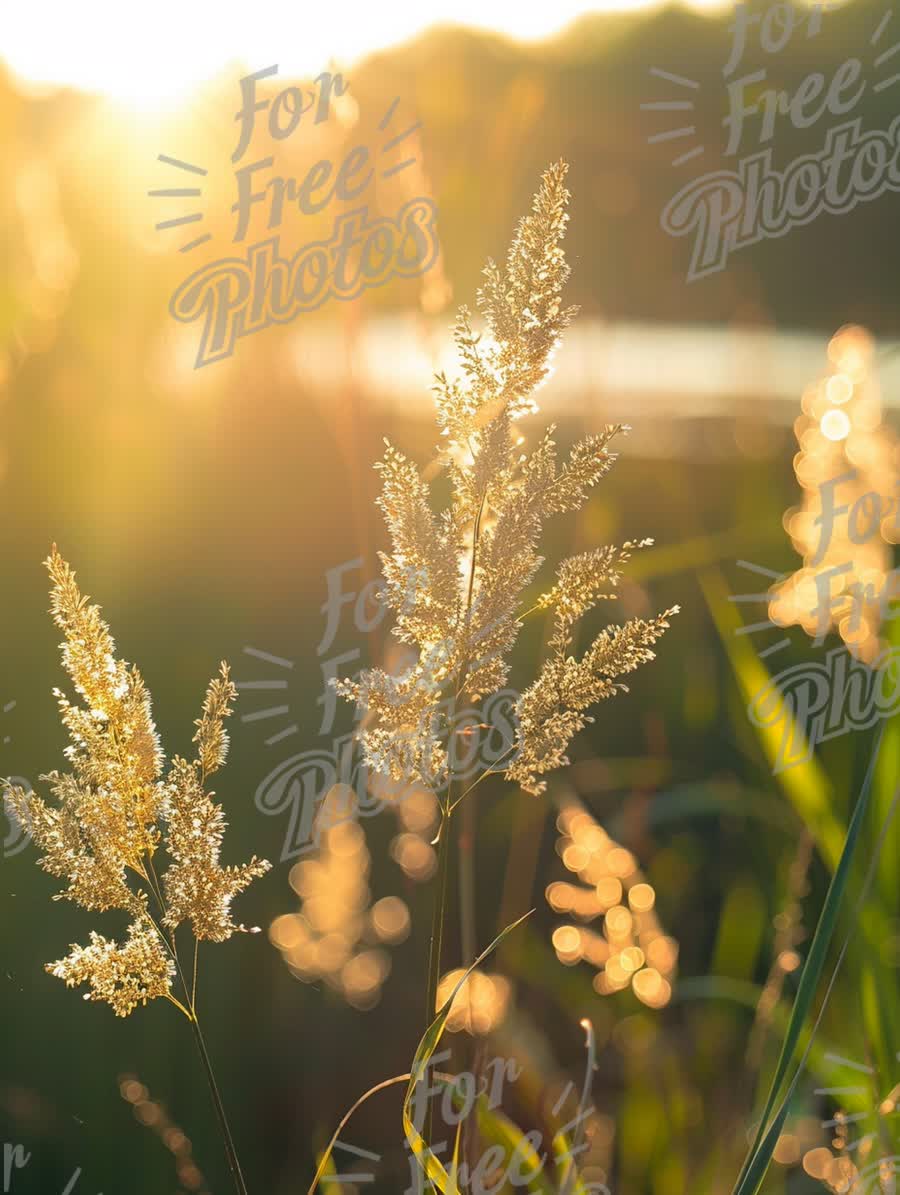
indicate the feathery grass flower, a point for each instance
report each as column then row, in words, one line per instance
column 455, row 579
column 115, row 809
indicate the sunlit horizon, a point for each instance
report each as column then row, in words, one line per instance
column 185, row 46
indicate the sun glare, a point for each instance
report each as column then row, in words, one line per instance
column 95, row 46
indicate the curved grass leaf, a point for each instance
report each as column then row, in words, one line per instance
column 325, row 1163
column 760, row 1154
column 496, row 1128
column 431, row 1165
column 454, row 1164
column 805, row 784
column 562, row 1147
column 427, row 1046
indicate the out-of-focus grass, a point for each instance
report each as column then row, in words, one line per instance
column 207, row 507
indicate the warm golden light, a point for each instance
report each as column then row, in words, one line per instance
column 390, row 919
column 843, row 527
column 331, row 937
column 632, row 949
column 479, row 1006
column 185, row 46
column 839, row 388
column 835, row 425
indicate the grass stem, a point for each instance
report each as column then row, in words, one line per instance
column 467, row 884
column 437, row 919
column 190, row 995
column 230, row 1152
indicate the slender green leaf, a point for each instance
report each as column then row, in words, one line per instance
column 454, row 1163
column 562, row 1147
column 325, row 1163
column 758, row 1161
column 761, row 1151
column 496, row 1128
column 431, row 1165
column 805, row 784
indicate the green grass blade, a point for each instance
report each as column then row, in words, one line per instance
column 766, row 1137
column 325, row 1164
column 431, row 1165
column 496, row 1128
column 805, row 784
column 759, row 1160
column 562, row 1148
column 427, row 1046
column 454, row 1163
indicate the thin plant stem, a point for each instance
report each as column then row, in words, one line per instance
column 174, row 1000
column 437, row 921
column 230, row 1152
column 466, row 875
column 578, row 1136
column 190, row 994
column 437, row 928
column 467, row 829
column 228, row 1141
column 467, row 884
column 484, row 775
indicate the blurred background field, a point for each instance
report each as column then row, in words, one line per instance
column 202, row 509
